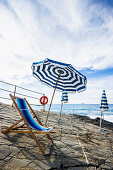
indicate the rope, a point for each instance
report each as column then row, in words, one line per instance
column 84, row 153
column 109, row 140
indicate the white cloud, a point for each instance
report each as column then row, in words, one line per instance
column 72, row 31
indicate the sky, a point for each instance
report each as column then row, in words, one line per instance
column 71, row 31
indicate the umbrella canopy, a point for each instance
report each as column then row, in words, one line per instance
column 104, row 103
column 60, row 76
column 103, row 106
column 64, row 98
column 70, row 80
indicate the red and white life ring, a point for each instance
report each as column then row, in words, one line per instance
column 44, row 100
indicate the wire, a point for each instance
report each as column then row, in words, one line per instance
column 5, row 98
column 6, row 90
column 7, row 83
column 27, row 95
column 20, row 87
column 19, row 93
column 30, row 90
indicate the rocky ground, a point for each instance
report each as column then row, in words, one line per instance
column 78, row 144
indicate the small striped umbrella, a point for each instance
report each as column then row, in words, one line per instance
column 103, row 105
column 60, row 76
column 64, row 98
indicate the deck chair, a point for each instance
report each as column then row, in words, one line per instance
column 30, row 125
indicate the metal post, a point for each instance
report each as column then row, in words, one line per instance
column 103, row 118
column 15, row 90
column 14, row 93
column 52, row 97
column 61, row 109
column 43, row 105
column 73, row 110
column 59, row 120
column 101, row 121
column 43, row 108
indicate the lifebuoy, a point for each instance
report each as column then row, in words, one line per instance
column 44, row 100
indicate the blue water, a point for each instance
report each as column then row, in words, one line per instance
column 91, row 110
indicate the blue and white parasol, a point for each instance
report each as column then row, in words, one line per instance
column 64, row 98
column 103, row 105
column 60, row 76
column 70, row 80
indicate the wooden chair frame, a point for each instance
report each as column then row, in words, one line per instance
column 22, row 128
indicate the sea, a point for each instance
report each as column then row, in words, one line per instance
column 90, row 110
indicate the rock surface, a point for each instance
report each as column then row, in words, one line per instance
column 78, row 144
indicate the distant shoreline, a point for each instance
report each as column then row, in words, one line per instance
column 87, row 118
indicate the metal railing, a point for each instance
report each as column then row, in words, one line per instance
column 15, row 92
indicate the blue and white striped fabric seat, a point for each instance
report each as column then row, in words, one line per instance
column 27, row 115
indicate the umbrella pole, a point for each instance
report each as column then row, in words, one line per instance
column 61, row 110
column 103, row 117
column 101, row 121
column 52, row 97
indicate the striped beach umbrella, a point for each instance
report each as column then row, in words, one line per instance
column 60, row 76
column 103, row 105
column 48, row 72
column 64, row 98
